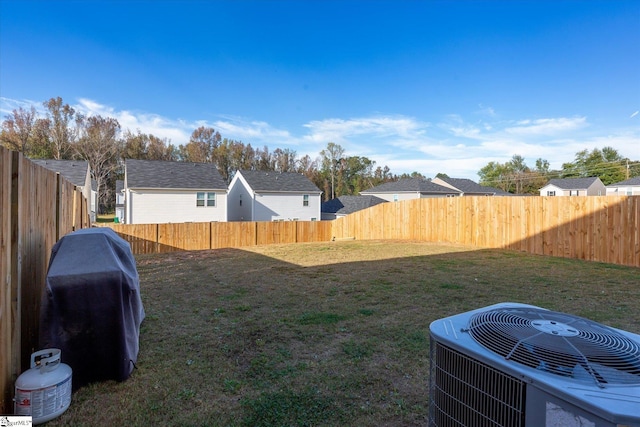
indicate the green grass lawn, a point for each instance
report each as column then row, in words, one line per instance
column 328, row 334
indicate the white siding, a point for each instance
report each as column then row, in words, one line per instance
column 559, row 191
column 239, row 190
column 164, row 206
column 629, row 190
column 269, row 206
column 285, row 206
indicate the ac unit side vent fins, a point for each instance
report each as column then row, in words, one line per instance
column 466, row 392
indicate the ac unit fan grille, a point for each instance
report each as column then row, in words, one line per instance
column 466, row 392
column 559, row 343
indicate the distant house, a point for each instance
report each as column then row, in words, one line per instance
column 158, row 192
column 628, row 187
column 120, row 200
column 468, row 187
column 345, row 205
column 410, row 188
column 574, row 187
column 78, row 173
column 273, row 196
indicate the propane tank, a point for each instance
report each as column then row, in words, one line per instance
column 44, row 391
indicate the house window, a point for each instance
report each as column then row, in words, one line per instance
column 395, row 197
column 574, row 193
column 629, row 191
column 305, row 200
column 205, row 199
column 551, row 193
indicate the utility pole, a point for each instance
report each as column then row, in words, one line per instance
column 627, row 168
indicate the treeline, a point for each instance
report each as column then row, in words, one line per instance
column 66, row 134
column 515, row 176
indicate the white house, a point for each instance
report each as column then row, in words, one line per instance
column 410, row 188
column 78, row 173
column 574, row 187
column 628, row 187
column 120, row 200
column 273, row 196
column 158, row 192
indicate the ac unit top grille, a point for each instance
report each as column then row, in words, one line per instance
column 559, row 343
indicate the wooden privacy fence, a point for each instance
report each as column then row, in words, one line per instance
column 157, row 238
column 603, row 228
column 37, row 207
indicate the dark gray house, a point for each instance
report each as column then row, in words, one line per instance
column 345, row 205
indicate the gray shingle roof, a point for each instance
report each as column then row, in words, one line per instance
column 74, row 171
column 174, row 175
column 413, row 185
column 278, row 181
column 630, row 181
column 468, row 186
column 572, row 183
column 349, row 204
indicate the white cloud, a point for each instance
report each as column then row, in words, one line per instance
column 176, row 131
column 551, row 126
column 7, row 105
column 255, row 133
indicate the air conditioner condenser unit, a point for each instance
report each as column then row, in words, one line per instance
column 518, row 365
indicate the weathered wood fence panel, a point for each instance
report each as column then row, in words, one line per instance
column 37, row 207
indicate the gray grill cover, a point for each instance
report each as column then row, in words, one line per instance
column 91, row 306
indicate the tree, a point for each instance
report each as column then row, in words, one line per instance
column 515, row 176
column 143, row 146
column 605, row 164
column 200, row 148
column 18, row 130
column 330, row 161
column 61, row 135
column 284, row 160
column 99, row 145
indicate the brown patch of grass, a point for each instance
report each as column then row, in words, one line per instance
column 325, row 333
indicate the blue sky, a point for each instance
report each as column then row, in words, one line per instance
column 426, row 86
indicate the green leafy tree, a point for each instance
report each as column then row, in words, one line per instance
column 605, row 164
column 331, row 158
